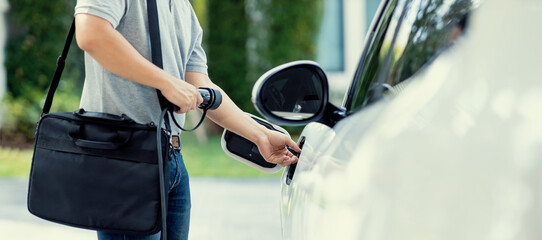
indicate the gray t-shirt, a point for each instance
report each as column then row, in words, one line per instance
column 181, row 37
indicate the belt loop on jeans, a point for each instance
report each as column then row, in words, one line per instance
column 175, row 141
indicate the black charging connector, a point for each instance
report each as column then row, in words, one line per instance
column 212, row 99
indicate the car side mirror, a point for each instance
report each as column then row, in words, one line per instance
column 294, row 93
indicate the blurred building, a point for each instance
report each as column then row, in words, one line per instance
column 341, row 40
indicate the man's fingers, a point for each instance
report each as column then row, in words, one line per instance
column 289, row 154
column 184, row 109
column 186, row 97
column 288, row 161
column 195, row 100
column 293, row 145
column 199, row 99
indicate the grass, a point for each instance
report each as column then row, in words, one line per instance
column 210, row 160
column 15, row 162
column 201, row 160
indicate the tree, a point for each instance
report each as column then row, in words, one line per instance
column 37, row 31
column 293, row 30
column 248, row 37
column 226, row 48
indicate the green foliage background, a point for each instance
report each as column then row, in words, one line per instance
column 248, row 37
column 226, row 48
column 293, row 30
column 243, row 39
column 36, row 34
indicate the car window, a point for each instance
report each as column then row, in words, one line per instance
column 411, row 33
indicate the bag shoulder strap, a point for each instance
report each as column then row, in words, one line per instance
column 156, row 45
column 60, row 63
column 156, row 50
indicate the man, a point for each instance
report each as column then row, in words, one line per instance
column 121, row 80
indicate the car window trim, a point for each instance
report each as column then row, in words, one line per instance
column 347, row 101
column 388, row 62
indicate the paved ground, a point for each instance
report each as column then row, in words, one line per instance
column 221, row 209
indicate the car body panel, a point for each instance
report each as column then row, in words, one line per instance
column 318, row 203
column 303, row 204
column 317, row 135
column 341, row 183
column 457, row 154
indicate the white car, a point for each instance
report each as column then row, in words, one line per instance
column 455, row 155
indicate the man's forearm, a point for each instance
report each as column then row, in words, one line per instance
column 112, row 51
column 228, row 115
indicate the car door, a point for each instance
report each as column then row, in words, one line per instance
column 417, row 31
column 404, row 37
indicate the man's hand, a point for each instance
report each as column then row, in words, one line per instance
column 183, row 95
column 273, row 148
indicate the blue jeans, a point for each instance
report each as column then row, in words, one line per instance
column 178, row 216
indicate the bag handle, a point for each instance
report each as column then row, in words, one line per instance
column 123, row 138
column 101, row 116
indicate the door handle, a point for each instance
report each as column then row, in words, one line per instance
column 291, row 168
